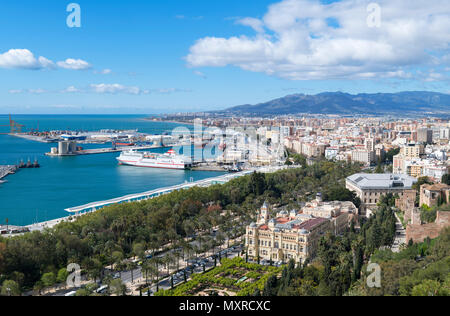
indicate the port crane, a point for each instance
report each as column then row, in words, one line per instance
column 15, row 127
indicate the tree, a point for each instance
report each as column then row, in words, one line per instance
column 420, row 182
column 131, row 266
column 48, row 279
column 389, row 157
column 379, row 168
column 148, row 268
column 117, row 258
column 118, row 288
column 62, row 276
column 270, row 288
column 82, row 292
column 427, row 288
column 446, row 179
column 139, row 250
column 10, row 288
column 94, row 268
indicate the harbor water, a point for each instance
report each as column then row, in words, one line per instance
column 36, row 195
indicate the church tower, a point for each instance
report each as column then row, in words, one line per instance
column 264, row 214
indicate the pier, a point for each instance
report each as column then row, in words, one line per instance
column 95, row 206
column 98, row 151
column 6, row 170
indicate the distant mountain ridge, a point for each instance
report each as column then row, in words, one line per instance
column 409, row 102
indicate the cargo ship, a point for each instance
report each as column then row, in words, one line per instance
column 124, row 144
column 169, row 160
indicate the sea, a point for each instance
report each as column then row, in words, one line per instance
column 37, row 195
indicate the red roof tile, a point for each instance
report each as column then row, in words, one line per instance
column 309, row 225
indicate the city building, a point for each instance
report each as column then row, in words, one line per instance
column 340, row 213
column 425, row 136
column 433, row 194
column 290, row 235
column 363, row 156
column 370, row 187
column 412, row 150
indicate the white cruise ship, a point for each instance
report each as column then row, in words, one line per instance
column 169, row 160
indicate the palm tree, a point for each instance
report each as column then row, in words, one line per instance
column 188, row 227
column 131, row 266
column 169, row 259
column 121, row 266
column 117, row 287
column 110, row 246
column 220, row 239
column 117, row 257
column 156, row 261
column 188, row 251
column 146, row 268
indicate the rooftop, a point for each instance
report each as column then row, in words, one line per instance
column 382, row 181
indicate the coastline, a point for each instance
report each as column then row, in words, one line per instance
column 169, row 121
column 201, row 183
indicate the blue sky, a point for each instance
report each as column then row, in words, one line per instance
column 178, row 55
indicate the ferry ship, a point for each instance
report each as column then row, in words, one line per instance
column 169, row 160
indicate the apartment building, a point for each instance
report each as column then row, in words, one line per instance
column 363, row 156
column 425, row 135
column 412, row 151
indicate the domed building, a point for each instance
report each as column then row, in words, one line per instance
column 290, row 235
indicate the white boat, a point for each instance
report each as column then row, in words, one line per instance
column 169, row 160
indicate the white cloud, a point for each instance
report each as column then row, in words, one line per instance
column 71, row 89
column 103, row 72
column 168, row 90
column 200, row 74
column 23, row 59
column 74, row 64
column 255, row 24
column 301, row 44
column 64, row 106
column 32, row 91
column 37, row 91
column 119, row 88
column 435, row 76
column 15, row 91
column 115, row 88
column 103, row 88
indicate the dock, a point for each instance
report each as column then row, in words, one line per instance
column 35, row 138
column 95, row 206
column 109, row 150
column 6, row 170
column 76, row 212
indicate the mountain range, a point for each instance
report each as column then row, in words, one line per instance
column 411, row 102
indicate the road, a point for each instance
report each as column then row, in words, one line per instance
column 400, row 236
column 137, row 278
column 166, row 283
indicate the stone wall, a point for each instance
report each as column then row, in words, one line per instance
column 418, row 233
